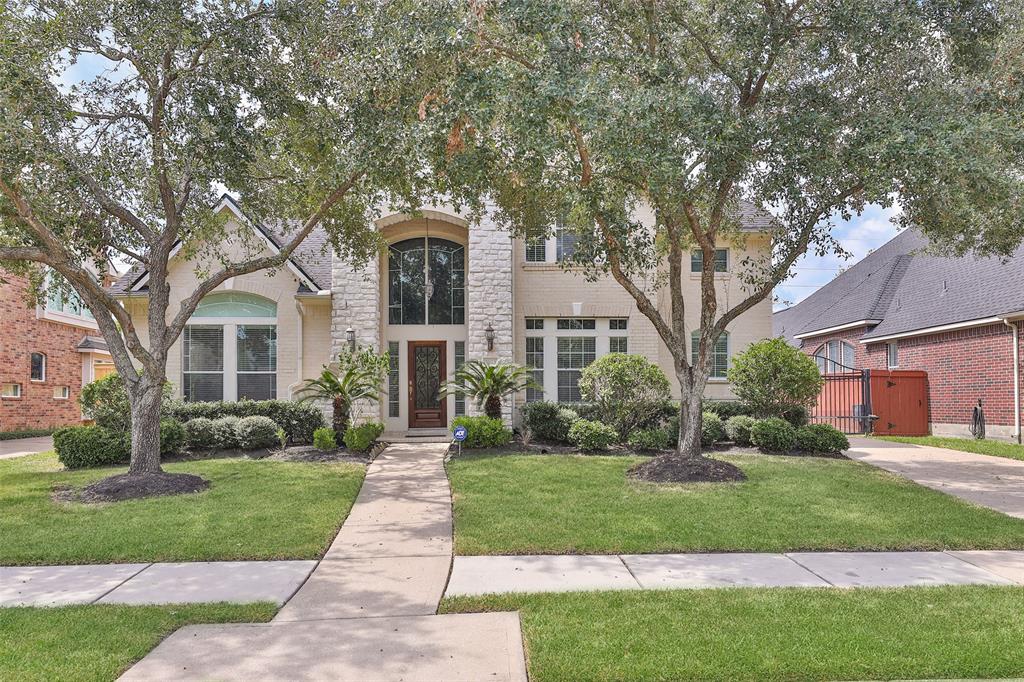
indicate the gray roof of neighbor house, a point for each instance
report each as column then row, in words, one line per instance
column 901, row 288
column 92, row 343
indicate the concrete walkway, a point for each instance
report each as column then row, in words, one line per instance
column 993, row 482
column 19, row 447
column 474, row 575
column 367, row 610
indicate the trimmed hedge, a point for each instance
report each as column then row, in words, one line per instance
column 648, row 439
column 361, row 438
column 80, row 447
column 727, row 408
column 172, row 437
column 26, row 433
column 738, row 429
column 591, row 436
column 324, row 438
column 484, row 432
column 225, row 432
column 823, row 438
column 256, row 432
column 549, row 421
column 200, row 434
column 773, row 435
column 712, row 429
column 299, row 420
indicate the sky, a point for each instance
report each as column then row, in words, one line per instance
column 860, row 236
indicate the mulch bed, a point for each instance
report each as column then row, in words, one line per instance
column 686, row 470
column 308, row 453
column 133, row 487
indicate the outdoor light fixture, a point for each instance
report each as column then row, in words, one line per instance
column 350, row 336
column 489, row 335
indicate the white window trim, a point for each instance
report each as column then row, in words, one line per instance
column 889, row 348
column 17, row 394
column 230, row 325
column 728, row 263
column 66, row 390
column 602, row 339
column 728, row 358
column 37, row 381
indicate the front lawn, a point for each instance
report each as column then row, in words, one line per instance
column 575, row 504
column 253, row 510
column 99, row 642
column 768, row 634
column 996, row 448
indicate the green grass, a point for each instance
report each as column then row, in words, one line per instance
column 556, row 505
column 995, row 448
column 253, row 510
column 768, row 634
column 98, row 642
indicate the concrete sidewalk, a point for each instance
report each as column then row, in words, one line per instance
column 496, row 574
column 993, row 482
column 19, row 447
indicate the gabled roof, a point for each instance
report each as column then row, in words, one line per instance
column 310, row 262
column 901, row 288
column 89, row 343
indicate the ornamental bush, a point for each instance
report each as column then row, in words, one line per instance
column 79, row 447
column 325, row 439
column 648, row 439
column 726, row 409
column 549, row 422
column 712, row 429
column 591, row 436
column 299, row 420
column 225, row 432
column 105, row 401
column 773, row 435
column 361, row 438
column 738, row 429
column 628, row 391
column 823, row 438
column 256, row 432
column 199, row 433
column 172, row 436
column 775, row 379
column 484, row 432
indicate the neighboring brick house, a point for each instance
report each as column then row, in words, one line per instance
column 47, row 353
column 958, row 319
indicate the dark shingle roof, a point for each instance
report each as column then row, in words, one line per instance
column 905, row 288
column 92, row 343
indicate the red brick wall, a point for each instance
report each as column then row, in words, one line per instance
column 21, row 334
column 962, row 365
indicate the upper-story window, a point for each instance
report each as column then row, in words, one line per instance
column 536, row 247
column 65, row 302
column 37, row 362
column 721, row 260
column 575, row 324
column 426, row 282
column 565, row 243
column 834, row 356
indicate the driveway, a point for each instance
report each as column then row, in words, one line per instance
column 20, row 447
column 993, row 482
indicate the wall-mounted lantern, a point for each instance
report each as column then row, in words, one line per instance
column 350, row 336
column 489, row 335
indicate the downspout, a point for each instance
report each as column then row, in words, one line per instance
column 1016, row 378
column 298, row 353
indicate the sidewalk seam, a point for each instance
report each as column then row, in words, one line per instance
column 809, row 570
column 948, row 553
column 121, row 584
column 630, row 571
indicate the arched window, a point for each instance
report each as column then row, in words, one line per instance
column 719, row 354
column 235, row 304
column 426, row 282
column 835, row 356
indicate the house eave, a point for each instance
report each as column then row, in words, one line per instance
column 925, row 331
column 837, row 328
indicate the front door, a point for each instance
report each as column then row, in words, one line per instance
column 426, row 372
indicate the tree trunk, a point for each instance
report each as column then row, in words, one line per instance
column 145, row 410
column 340, row 418
column 690, row 424
column 492, row 407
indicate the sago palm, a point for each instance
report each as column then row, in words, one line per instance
column 488, row 384
column 358, row 377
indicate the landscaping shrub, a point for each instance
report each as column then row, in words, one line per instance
column 549, row 421
column 590, row 436
column 484, row 432
column 256, row 432
column 299, row 420
column 628, row 391
column 648, row 439
column 798, row 415
column 726, row 409
column 324, row 438
column 105, row 401
column 773, row 435
column 774, row 379
column 712, row 429
column 821, row 438
column 225, row 432
column 738, row 429
column 79, row 447
column 172, row 436
column 24, row 433
column 199, row 433
column 361, row 438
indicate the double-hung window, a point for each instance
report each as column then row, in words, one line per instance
column 565, row 244
column 535, row 361
column 574, row 353
column 721, row 260
column 37, row 367
column 719, row 354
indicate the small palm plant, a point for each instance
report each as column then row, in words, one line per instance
column 359, row 376
column 488, row 384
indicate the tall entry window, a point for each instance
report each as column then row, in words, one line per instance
column 229, row 349
column 426, row 282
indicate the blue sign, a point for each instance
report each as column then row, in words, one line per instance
column 460, row 433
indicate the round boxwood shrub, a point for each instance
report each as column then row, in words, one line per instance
column 648, row 439
column 628, row 391
column 484, row 432
column 591, row 436
column 361, row 438
column 225, row 432
column 548, row 422
column 199, row 433
column 79, row 447
column 324, row 439
column 823, row 438
column 774, row 378
column 299, row 420
column 773, row 435
column 712, row 429
column 172, row 436
column 738, row 429
column 256, row 432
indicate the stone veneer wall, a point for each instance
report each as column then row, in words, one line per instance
column 489, row 297
column 355, row 303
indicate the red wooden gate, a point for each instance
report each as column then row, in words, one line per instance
column 899, row 398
